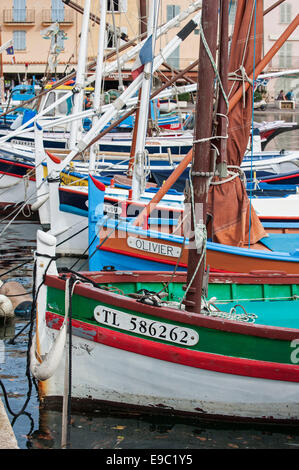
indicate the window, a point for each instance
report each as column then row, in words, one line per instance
column 19, row 10
column 119, row 6
column 285, row 13
column 172, row 11
column 19, row 40
column 62, row 107
column 61, row 36
column 174, row 58
column 50, row 100
column 57, row 12
column 285, row 55
column 113, row 5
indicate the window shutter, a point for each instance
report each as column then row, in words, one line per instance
column 288, row 12
column 177, row 10
column 285, row 13
column 123, row 6
column 57, row 10
column 169, row 12
column 19, row 40
column 19, row 10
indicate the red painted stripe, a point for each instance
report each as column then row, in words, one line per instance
column 278, row 178
column 73, row 191
column 186, row 357
column 146, row 257
column 15, row 176
column 7, row 162
column 152, row 258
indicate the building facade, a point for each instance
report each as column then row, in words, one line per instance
column 27, row 22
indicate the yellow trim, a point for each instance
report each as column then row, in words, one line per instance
column 66, row 87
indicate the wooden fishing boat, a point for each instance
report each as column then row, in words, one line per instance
column 133, row 347
column 157, row 341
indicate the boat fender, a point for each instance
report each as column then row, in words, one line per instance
column 6, row 308
column 16, row 293
column 23, row 310
column 43, row 369
column 36, row 205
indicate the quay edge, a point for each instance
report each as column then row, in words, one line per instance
column 7, row 436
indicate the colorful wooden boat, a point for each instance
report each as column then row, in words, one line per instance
column 157, row 341
column 134, row 348
column 119, row 243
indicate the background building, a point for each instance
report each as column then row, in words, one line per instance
column 24, row 21
column 287, row 58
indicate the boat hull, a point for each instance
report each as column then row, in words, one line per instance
column 126, row 247
column 109, row 376
column 242, row 372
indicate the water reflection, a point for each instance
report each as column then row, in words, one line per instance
column 288, row 140
column 7, row 328
column 108, row 431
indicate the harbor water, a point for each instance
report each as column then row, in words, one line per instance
column 41, row 429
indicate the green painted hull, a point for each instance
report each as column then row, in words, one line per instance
column 269, row 338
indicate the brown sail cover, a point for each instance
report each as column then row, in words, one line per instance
column 228, row 204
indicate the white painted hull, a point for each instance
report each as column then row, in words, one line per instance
column 16, row 190
column 105, row 374
column 74, row 239
column 284, row 207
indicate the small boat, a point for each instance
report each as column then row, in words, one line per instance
column 131, row 342
column 155, row 341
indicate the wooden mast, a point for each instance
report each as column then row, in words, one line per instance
column 142, row 30
column 222, row 110
column 202, row 164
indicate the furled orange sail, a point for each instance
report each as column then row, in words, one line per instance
column 228, row 203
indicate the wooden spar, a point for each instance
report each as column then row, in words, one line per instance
column 223, row 73
column 131, row 111
column 172, row 69
column 188, row 157
column 163, row 190
column 260, row 67
column 202, row 162
column 60, row 82
column 142, row 30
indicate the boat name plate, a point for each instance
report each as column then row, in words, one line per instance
column 110, row 209
column 153, row 247
column 146, row 327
